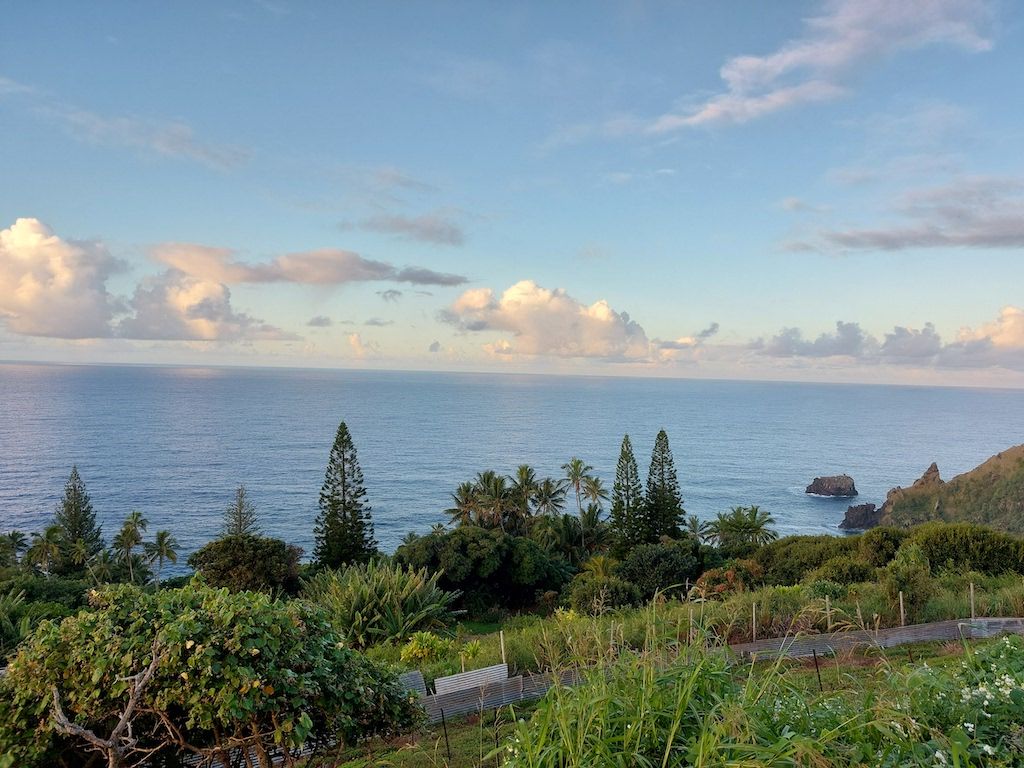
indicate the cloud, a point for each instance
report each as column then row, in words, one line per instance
column 326, row 266
column 438, row 228
column 391, row 294
column 378, row 322
column 818, row 65
column 687, row 342
column 362, row 348
column 320, row 321
column 54, row 287
column 177, row 306
column 968, row 212
column 169, row 138
column 848, row 340
column 541, row 321
column 999, row 343
column 435, row 346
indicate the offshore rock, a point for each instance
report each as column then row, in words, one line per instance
column 860, row 517
column 833, row 485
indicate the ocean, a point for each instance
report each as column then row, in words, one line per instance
column 175, row 442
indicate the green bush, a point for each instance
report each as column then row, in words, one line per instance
column 489, row 567
column 843, row 569
column 822, row 588
column 878, row 546
column 966, row 546
column 909, row 573
column 661, row 567
column 426, row 647
column 382, row 602
column 788, row 561
column 245, row 562
column 225, row 671
column 594, row 594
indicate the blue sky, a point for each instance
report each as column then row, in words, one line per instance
column 823, row 191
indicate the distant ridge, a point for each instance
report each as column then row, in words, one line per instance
column 991, row 494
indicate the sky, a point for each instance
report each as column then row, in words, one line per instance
column 821, row 191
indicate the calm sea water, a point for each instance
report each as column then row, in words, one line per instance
column 174, row 442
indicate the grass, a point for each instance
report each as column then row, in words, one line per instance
column 472, row 739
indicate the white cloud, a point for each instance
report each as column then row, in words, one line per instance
column 54, row 287
column 177, row 306
column 539, row 321
column 361, row 348
column 817, row 66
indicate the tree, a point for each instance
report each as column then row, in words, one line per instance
column 464, row 504
column 44, row 551
column 697, row 528
column 254, row 563
column 344, row 527
column 628, row 524
column 77, row 520
column 240, row 516
column 143, row 673
column 663, row 500
column 17, row 542
column 128, row 538
column 524, row 487
column 163, row 547
column 549, row 497
column 742, row 530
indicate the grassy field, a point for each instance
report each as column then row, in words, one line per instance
column 471, row 740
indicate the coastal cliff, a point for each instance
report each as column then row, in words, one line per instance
column 990, row 494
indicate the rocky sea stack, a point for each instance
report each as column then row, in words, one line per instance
column 833, row 485
column 860, row 517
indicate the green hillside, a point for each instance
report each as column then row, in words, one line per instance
column 991, row 494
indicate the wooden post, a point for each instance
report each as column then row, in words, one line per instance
column 860, row 616
column 973, row 615
column 501, row 638
column 903, row 611
column 828, row 613
column 691, row 633
column 753, row 621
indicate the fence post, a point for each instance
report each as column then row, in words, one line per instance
column 903, row 611
column 828, row 613
column 860, row 616
column 753, row 620
column 973, row 616
column 501, row 638
column 690, row 634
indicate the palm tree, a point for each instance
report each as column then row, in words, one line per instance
column 524, row 485
column 466, row 501
column 102, row 567
column 601, row 566
column 163, row 547
column 698, row 528
column 594, row 490
column 45, row 548
column 549, row 497
column 595, row 531
column 129, row 537
column 576, row 472
column 18, row 542
column 495, row 499
column 742, row 528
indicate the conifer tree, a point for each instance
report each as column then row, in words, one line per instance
column 627, row 519
column 240, row 517
column 80, row 536
column 663, row 500
column 344, row 527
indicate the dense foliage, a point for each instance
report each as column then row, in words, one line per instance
column 247, row 562
column 190, row 671
column 381, row 602
column 490, row 568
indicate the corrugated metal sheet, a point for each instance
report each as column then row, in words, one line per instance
column 472, row 679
